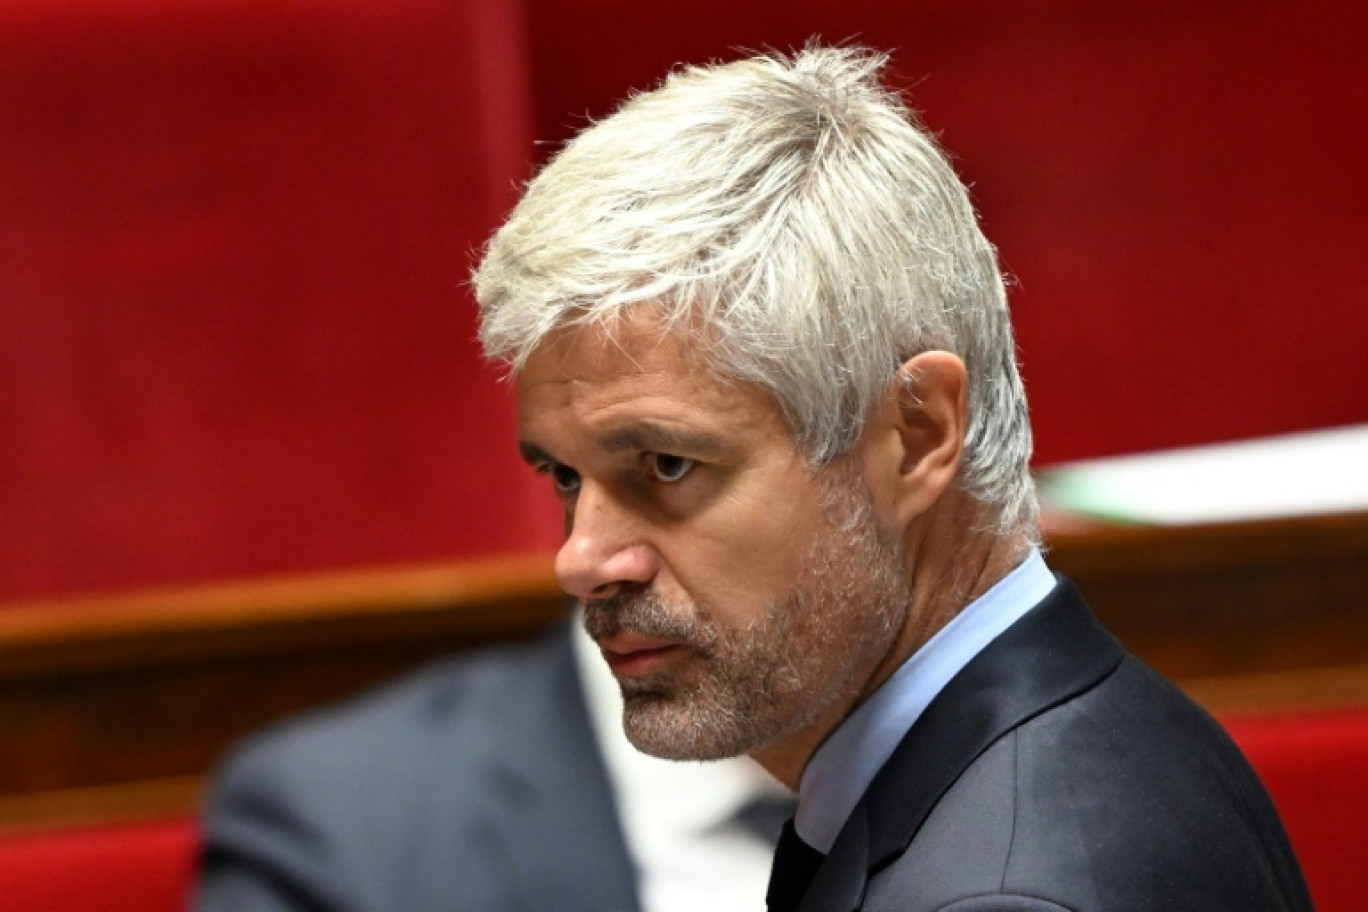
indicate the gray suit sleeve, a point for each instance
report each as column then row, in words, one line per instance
column 264, row 848
column 473, row 785
column 324, row 812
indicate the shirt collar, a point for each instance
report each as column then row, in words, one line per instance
column 842, row 768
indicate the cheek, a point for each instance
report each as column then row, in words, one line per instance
column 738, row 565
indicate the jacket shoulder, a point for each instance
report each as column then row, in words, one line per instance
column 1124, row 795
column 391, row 799
column 400, row 720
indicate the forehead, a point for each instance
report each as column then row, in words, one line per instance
column 603, row 377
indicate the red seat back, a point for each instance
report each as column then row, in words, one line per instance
column 1316, row 767
column 234, row 241
column 146, row 867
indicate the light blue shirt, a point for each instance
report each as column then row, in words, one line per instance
column 844, row 766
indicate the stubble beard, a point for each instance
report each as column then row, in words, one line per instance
column 809, row 651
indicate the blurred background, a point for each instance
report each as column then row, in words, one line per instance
column 237, row 360
column 235, row 336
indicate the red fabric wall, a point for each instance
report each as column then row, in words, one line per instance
column 234, row 335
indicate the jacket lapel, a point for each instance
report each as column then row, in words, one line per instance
column 1055, row 652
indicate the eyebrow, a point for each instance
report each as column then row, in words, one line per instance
column 533, row 454
column 646, row 436
column 649, row 436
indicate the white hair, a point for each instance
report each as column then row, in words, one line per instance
column 792, row 213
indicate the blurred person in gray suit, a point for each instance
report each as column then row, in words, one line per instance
column 490, row 782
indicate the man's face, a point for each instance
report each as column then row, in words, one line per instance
column 740, row 600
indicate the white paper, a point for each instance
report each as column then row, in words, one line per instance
column 1293, row 475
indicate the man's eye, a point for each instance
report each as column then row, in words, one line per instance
column 563, row 478
column 667, row 468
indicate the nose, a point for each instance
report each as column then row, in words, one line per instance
column 604, row 551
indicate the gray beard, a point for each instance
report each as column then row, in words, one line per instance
column 810, row 650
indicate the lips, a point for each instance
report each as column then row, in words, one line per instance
column 630, row 655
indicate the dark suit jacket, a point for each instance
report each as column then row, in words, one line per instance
column 1057, row 772
column 473, row 786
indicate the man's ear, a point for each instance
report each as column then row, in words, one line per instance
column 913, row 444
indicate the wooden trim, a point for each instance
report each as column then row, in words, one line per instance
column 1281, row 692
column 155, row 685
column 181, row 797
column 1247, row 598
column 115, row 706
column 123, row 802
column 473, row 601
column 1120, row 548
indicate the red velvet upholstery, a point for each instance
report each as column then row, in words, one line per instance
column 136, row 868
column 1316, row 767
column 234, row 238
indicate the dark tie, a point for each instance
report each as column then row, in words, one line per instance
column 795, row 863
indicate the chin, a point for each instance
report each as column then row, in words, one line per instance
column 661, row 727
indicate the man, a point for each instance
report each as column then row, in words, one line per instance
column 494, row 782
column 763, row 354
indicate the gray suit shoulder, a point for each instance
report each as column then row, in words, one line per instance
column 455, row 697
column 386, row 801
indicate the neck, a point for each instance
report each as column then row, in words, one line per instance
column 954, row 559
column 951, row 562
